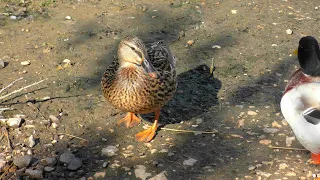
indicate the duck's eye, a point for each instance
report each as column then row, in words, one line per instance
column 133, row 48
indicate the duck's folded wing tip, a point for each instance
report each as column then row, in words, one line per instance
column 312, row 115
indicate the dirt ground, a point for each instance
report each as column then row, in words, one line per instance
column 240, row 103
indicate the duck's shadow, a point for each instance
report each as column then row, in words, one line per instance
column 196, row 93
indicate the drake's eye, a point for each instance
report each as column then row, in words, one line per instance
column 133, row 48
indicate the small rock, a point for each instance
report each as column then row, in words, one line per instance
column 240, row 123
column 2, row 64
column 109, row 151
column 289, row 141
column 170, row 154
column 270, row 130
column 48, row 169
column 13, row 17
column 68, row 17
column 190, row 42
column 31, row 141
column 75, row 164
column 35, row 174
column 199, row 121
column 66, row 157
column 22, row 161
column 54, row 119
column 189, row 162
column 140, row 172
column 276, row 124
column 283, row 166
column 234, row 11
column 67, row 61
column 216, row 47
column 14, row 122
column 152, row 151
column 252, row 113
column 25, row 63
column 105, row 164
column 264, row 174
column 29, row 152
column 291, row 174
column 2, row 164
column 274, row 45
column 49, row 161
column 54, row 125
column 289, row 31
column 160, row 176
column 251, row 168
column 98, row 175
column 265, row 141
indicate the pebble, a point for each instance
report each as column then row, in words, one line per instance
column 160, row 176
column 98, row 175
column 25, row 63
column 276, row 124
column 274, row 45
column 13, row 17
column 29, row 152
column 75, row 164
column 105, row 164
column 152, row 151
column 270, row 130
column 251, row 168
column 31, row 141
column 2, row 64
column 109, row 151
column 289, row 141
column 265, row 141
column 189, row 162
column 67, row 61
column 34, row 174
column 252, row 113
column 22, row 161
column 289, row 31
column 216, row 47
column 68, row 17
column 170, row 154
column 49, row 161
column 48, row 169
column 234, row 11
column 199, row 121
column 2, row 164
column 66, row 157
column 264, row 174
column 140, row 172
column 54, row 125
column 283, row 166
column 190, row 42
column 14, row 122
column 54, row 119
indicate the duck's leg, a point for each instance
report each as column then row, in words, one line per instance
column 315, row 158
column 148, row 134
column 130, row 120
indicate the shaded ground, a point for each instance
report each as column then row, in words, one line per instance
column 252, row 65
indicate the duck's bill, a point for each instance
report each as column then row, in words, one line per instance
column 149, row 68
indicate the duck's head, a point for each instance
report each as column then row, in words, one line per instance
column 308, row 55
column 131, row 51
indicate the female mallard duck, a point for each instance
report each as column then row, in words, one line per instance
column 300, row 103
column 142, row 80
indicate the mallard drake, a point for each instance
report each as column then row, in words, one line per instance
column 300, row 103
column 141, row 80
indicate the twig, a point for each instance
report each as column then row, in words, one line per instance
column 6, row 134
column 73, row 136
column 10, row 85
column 6, row 172
column 189, row 131
column 23, row 88
column 287, row 148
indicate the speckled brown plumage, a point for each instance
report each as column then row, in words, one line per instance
column 129, row 87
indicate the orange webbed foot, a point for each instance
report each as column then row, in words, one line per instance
column 130, row 120
column 315, row 159
column 146, row 135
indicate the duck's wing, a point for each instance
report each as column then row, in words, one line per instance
column 312, row 115
column 161, row 58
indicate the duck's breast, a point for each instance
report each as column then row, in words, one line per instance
column 293, row 104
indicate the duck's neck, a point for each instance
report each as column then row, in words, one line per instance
column 309, row 62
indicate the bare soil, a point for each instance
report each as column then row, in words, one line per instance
column 255, row 59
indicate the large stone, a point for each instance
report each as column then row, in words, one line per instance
column 75, row 164
column 22, row 161
column 66, row 157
